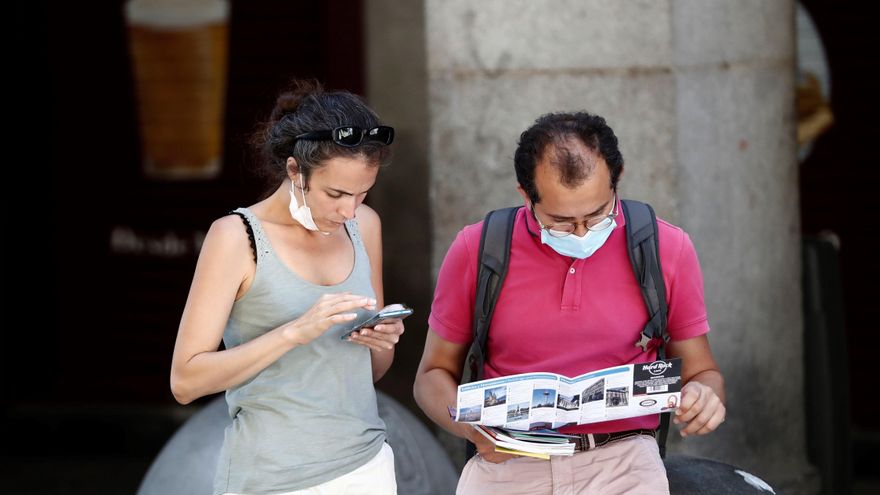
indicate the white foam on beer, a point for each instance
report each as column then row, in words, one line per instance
column 176, row 13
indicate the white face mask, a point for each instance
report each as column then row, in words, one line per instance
column 302, row 214
column 575, row 246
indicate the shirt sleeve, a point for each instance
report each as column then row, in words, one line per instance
column 687, row 307
column 453, row 307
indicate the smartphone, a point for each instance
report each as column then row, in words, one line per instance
column 387, row 313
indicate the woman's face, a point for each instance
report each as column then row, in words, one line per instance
column 335, row 190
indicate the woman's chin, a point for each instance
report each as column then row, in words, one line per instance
column 330, row 226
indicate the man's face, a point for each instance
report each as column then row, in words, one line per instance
column 562, row 203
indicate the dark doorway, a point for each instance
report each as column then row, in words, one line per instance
column 105, row 254
column 836, row 203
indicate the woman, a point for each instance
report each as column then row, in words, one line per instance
column 278, row 281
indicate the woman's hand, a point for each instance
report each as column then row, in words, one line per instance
column 382, row 337
column 329, row 310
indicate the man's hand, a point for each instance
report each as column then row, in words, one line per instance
column 702, row 396
column 701, row 410
column 486, row 449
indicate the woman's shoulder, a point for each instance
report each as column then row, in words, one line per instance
column 227, row 234
column 368, row 220
column 367, row 214
column 228, row 226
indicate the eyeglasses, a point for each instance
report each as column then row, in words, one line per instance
column 350, row 136
column 593, row 224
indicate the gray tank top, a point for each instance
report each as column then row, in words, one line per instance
column 311, row 416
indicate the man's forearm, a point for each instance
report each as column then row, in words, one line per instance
column 434, row 390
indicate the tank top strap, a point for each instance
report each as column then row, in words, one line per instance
column 362, row 259
column 261, row 244
column 351, row 226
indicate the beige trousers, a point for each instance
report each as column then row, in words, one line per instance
column 631, row 466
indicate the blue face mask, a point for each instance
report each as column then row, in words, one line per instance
column 576, row 246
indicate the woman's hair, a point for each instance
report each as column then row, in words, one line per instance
column 306, row 107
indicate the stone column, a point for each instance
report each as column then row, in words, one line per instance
column 700, row 94
column 397, row 89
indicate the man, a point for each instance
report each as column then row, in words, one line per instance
column 570, row 304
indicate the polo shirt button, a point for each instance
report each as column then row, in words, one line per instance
column 571, row 270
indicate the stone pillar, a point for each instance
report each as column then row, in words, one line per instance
column 397, row 89
column 700, row 94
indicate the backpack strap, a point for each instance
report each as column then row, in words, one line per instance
column 644, row 255
column 494, row 259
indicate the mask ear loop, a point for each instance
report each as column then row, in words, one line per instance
column 302, row 189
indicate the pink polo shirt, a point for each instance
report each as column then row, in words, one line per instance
column 566, row 315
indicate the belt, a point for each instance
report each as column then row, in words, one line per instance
column 588, row 441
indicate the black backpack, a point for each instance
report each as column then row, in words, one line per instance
column 644, row 255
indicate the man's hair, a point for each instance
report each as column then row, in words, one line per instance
column 557, row 129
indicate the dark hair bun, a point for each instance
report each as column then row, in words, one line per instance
column 290, row 100
column 304, row 107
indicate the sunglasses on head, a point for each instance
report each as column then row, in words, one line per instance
column 350, row 136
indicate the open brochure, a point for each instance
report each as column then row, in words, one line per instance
column 531, row 401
